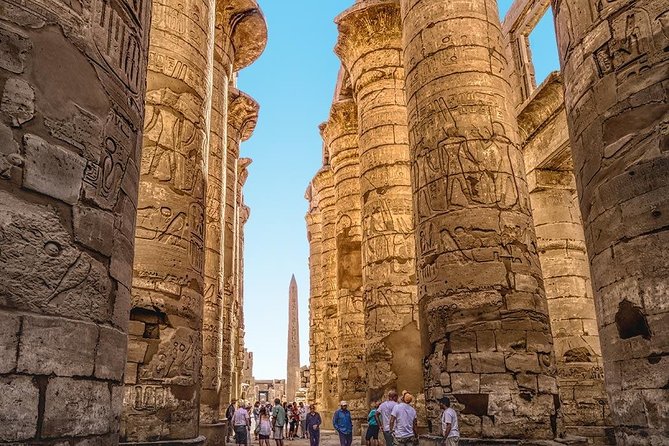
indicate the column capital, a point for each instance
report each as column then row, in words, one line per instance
column 343, row 120
column 242, row 113
column 246, row 25
column 244, row 213
column 368, row 26
column 323, row 181
column 243, row 170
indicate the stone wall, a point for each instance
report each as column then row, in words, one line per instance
column 71, row 113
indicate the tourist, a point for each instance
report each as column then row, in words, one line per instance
column 255, row 419
column 313, row 426
column 303, row 411
column 383, row 416
column 343, row 424
column 229, row 413
column 278, row 421
column 241, row 423
column 449, row 423
column 403, row 422
column 264, row 427
column 287, row 426
column 294, row 420
column 372, row 436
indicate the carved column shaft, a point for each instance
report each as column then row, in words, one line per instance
column 485, row 328
column 168, row 282
column 329, row 312
column 341, row 137
column 314, row 234
column 370, row 47
column 242, row 116
column 71, row 112
column 615, row 61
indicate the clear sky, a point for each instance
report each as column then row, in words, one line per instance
column 294, row 83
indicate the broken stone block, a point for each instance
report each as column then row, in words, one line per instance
column 18, row 101
column 52, row 170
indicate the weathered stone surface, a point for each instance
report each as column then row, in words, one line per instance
column 76, row 408
column 9, row 341
column 93, row 228
column 58, row 346
column 614, row 62
column 370, row 47
column 18, row 408
column 477, row 263
column 18, row 101
column 110, row 354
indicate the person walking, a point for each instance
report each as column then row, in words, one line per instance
column 449, row 423
column 255, row 419
column 295, row 421
column 278, row 421
column 314, row 426
column 383, row 416
column 343, row 424
column 303, row 411
column 372, row 435
column 264, row 427
column 241, row 422
column 229, row 413
column 404, row 423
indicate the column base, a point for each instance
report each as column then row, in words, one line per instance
column 199, row 441
column 435, row 440
column 215, row 433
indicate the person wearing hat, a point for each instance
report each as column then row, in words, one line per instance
column 343, row 424
column 449, row 422
column 404, row 423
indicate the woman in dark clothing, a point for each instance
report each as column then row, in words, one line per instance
column 314, row 425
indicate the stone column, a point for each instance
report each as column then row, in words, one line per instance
column 614, row 61
column 314, row 235
column 329, row 312
column 71, row 111
column 370, row 47
column 341, row 137
column 485, row 328
column 162, row 393
column 242, row 117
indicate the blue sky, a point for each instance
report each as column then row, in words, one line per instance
column 294, row 83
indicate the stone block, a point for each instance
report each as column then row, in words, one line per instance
column 488, row 362
column 121, row 314
column 136, row 350
column 76, row 408
column 498, row 383
column 130, row 374
column 9, row 341
column 59, row 346
column 122, row 258
column 465, row 382
column 522, row 362
column 19, row 403
column 136, row 328
column 539, row 341
column 527, row 382
column 463, row 342
column 458, row 362
column 52, row 170
column 111, row 354
column 93, row 228
column 18, row 101
column 13, row 51
column 485, row 340
column 509, row 340
column 547, row 384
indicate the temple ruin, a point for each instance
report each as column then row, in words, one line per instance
column 500, row 243
column 472, row 235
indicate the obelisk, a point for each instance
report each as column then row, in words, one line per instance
column 293, row 358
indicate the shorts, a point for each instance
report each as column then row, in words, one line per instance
column 278, row 433
column 372, row 432
column 263, row 437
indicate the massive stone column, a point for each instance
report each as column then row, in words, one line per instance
column 327, row 325
column 615, row 65
column 542, row 124
column 314, row 235
column 71, row 111
column 341, row 137
column 242, row 118
column 370, row 47
column 485, row 330
column 162, row 393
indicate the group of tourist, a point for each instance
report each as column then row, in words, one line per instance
column 395, row 418
column 282, row 420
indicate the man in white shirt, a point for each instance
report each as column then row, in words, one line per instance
column 241, row 422
column 404, row 423
column 449, row 423
column 383, row 414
